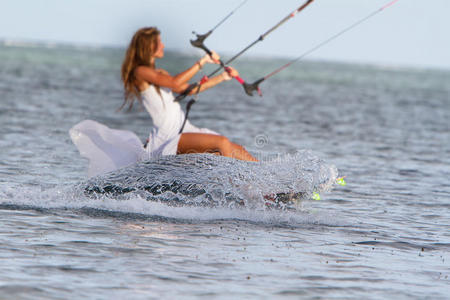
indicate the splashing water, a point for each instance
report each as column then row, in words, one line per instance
column 209, row 180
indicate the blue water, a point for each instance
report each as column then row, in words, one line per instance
column 384, row 235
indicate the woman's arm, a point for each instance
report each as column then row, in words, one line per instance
column 225, row 76
column 187, row 75
column 177, row 83
column 163, row 78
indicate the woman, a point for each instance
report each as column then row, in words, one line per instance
column 109, row 149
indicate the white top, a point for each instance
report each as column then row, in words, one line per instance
column 168, row 117
column 166, row 114
column 110, row 149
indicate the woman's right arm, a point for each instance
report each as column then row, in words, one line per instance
column 177, row 83
column 163, row 78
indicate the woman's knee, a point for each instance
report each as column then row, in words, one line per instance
column 238, row 150
column 224, row 144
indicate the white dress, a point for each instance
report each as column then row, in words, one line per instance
column 110, row 149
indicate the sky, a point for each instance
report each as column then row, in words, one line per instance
column 410, row 33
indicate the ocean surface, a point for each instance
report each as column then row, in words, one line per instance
column 385, row 235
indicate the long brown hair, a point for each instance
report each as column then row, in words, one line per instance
column 142, row 47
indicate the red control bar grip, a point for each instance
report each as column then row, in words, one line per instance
column 239, row 79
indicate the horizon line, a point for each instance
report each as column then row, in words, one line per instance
column 31, row 43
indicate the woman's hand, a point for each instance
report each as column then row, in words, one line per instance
column 230, row 73
column 210, row 59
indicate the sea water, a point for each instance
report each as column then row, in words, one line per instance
column 384, row 235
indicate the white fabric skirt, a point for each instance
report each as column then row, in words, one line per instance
column 110, row 149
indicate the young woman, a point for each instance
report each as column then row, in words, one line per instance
column 143, row 81
column 109, row 149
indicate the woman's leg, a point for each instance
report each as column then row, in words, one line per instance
column 210, row 143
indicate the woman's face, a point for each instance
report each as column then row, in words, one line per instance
column 160, row 49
